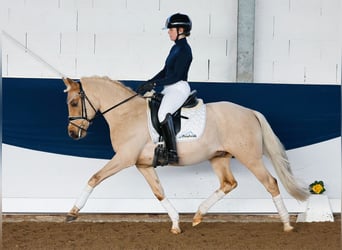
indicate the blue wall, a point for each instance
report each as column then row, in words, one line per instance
column 35, row 113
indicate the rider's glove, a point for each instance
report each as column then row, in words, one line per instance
column 145, row 87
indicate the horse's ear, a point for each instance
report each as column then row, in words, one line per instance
column 68, row 83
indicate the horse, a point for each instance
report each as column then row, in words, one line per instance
column 230, row 131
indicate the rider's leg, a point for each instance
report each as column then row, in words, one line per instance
column 174, row 96
column 169, row 136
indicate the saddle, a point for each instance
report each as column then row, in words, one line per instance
column 154, row 104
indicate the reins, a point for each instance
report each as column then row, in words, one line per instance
column 117, row 105
column 84, row 114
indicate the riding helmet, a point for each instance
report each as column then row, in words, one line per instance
column 179, row 20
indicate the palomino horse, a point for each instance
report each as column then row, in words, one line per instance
column 231, row 130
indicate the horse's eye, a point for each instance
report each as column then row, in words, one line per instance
column 74, row 103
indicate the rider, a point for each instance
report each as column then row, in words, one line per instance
column 174, row 78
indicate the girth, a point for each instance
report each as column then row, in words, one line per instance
column 154, row 105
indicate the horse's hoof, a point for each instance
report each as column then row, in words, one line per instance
column 176, row 230
column 288, row 227
column 70, row 218
column 195, row 223
column 197, row 219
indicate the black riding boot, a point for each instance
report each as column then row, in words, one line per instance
column 169, row 136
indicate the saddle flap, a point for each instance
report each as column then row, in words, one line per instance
column 190, row 127
column 154, row 105
column 191, row 107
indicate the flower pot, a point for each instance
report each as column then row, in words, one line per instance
column 317, row 210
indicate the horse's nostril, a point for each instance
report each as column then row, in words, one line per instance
column 72, row 134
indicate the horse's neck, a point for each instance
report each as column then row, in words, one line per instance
column 124, row 120
column 109, row 94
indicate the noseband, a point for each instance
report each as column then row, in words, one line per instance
column 84, row 115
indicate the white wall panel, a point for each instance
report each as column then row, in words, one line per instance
column 76, row 44
column 322, row 73
column 223, row 25
column 305, row 7
column 66, row 64
column 94, row 65
column 264, row 71
column 288, row 71
column 142, row 6
column 117, row 4
column 199, row 70
column 27, row 62
column 111, row 44
column 153, row 23
column 304, row 51
column 169, row 7
column 296, row 37
column 200, row 24
column 221, row 67
column 121, row 22
column 69, row 43
column 76, row 4
column 330, row 8
column 44, row 43
column 103, row 31
column 42, row 4
column 329, row 27
column 29, row 19
column 310, row 26
column 277, row 49
column 329, row 49
column 13, row 3
column 208, row 47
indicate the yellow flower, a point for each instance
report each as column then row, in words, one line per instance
column 317, row 188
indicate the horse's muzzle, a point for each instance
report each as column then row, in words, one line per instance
column 76, row 135
column 77, row 132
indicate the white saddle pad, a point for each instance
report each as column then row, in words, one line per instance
column 191, row 129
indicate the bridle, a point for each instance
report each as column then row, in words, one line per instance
column 84, row 114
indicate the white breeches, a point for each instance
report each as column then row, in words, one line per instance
column 174, row 96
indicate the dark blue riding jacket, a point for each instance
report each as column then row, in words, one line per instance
column 177, row 64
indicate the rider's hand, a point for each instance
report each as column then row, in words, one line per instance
column 145, row 87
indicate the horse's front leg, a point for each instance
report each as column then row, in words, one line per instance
column 111, row 168
column 153, row 180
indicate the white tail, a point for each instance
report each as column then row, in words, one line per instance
column 274, row 149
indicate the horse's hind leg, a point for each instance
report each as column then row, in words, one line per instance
column 152, row 179
column 227, row 184
column 271, row 185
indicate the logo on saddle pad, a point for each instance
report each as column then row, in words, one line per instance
column 192, row 123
